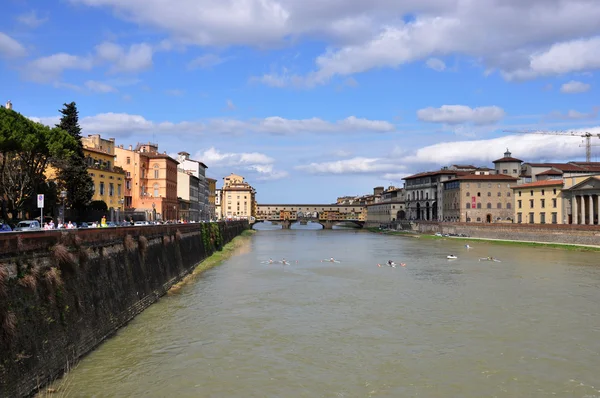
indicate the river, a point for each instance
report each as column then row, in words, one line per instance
column 528, row 326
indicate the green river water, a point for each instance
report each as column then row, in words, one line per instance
column 526, row 327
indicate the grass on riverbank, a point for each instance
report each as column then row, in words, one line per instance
column 562, row 246
column 214, row 260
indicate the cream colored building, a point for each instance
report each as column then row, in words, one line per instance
column 582, row 200
column 539, row 202
column 237, row 198
column 479, row 198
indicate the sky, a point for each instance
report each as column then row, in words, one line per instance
column 313, row 99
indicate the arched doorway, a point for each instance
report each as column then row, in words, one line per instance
column 434, row 214
column 488, row 218
column 400, row 215
column 418, row 211
column 427, row 211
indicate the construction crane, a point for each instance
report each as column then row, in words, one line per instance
column 588, row 138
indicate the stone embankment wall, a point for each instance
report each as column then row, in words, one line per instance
column 63, row 293
column 571, row 234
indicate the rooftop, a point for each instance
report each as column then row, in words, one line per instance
column 483, row 177
column 551, row 172
column 545, row 183
column 507, row 158
column 433, row 173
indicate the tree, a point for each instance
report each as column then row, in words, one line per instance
column 26, row 149
column 73, row 176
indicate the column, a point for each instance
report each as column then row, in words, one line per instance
column 582, row 207
column 574, row 210
column 598, row 201
column 591, row 220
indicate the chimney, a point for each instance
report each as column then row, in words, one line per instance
column 8, row 104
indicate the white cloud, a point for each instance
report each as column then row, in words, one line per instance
column 436, row 64
column 357, row 165
column 206, row 61
column 50, row 68
column 31, row 19
column 458, row 114
column 125, row 124
column 99, row 87
column 10, row 48
column 527, row 147
column 574, row 87
column 136, row 58
column 258, row 163
column 230, row 105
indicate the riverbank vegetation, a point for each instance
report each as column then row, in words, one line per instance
column 562, row 246
column 214, row 260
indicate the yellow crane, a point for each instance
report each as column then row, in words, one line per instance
column 587, row 135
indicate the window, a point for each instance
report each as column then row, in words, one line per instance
column 489, row 205
column 554, row 203
column 128, row 160
column 489, row 194
column 554, row 191
column 155, row 188
column 468, row 205
column 519, row 193
column 519, row 218
column 156, row 174
column 468, row 194
column 543, row 203
column 499, row 194
column 127, row 184
column 509, row 205
column 128, row 174
column 531, row 203
column 530, row 193
column 119, row 190
column 499, row 206
column 543, row 218
column 543, row 192
column 111, row 189
column 531, row 219
column 554, row 218
column 478, row 219
column 101, row 188
column 478, row 194
column 479, row 205
column 508, row 194
column 519, row 204
column 514, row 171
column 504, row 171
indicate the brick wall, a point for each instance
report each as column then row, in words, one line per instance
column 106, row 277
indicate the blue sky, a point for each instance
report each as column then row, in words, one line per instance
column 313, row 99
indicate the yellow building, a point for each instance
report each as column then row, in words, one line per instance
column 238, row 198
column 539, row 202
column 109, row 183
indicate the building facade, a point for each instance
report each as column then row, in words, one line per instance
column 188, row 196
column 479, row 198
column 323, row 212
column 508, row 165
column 539, row 202
column 212, row 191
column 583, row 200
column 423, row 194
column 151, row 181
column 109, row 181
column 218, row 208
column 198, row 170
column 238, row 198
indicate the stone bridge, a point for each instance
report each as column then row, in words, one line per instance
column 327, row 224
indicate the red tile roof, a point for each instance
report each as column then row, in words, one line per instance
column 507, row 160
column 484, row 177
column 545, row 183
column 433, row 173
column 551, row 172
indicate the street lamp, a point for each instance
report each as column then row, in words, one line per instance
column 175, row 212
column 121, row 201
column 63, row 195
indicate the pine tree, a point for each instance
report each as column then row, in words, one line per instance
column 73, row 174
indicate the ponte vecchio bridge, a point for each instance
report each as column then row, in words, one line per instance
column 326, row 215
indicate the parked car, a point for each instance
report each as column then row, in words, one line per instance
column 5, row 228
column 28, row 225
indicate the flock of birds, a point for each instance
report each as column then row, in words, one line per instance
column 389, row 263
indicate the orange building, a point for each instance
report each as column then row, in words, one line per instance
column 151, row 181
